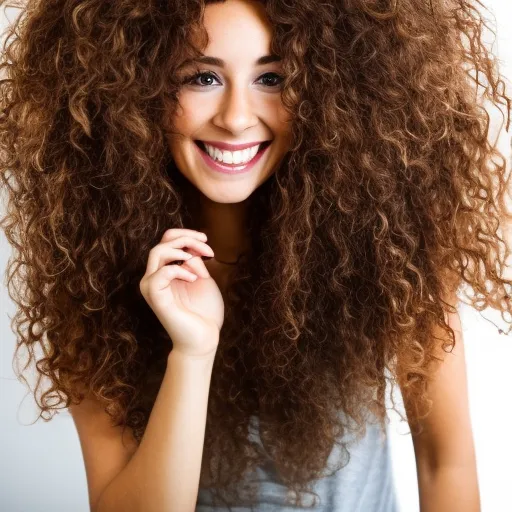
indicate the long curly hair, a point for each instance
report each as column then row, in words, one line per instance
column 389, row 201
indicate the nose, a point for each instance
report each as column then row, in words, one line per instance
column 236, row 111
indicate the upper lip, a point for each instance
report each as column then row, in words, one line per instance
column 232, row 147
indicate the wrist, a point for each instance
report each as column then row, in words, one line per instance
column 191, row 359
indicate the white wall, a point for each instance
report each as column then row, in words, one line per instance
column 41, row 468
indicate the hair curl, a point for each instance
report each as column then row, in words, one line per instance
column 388, row 202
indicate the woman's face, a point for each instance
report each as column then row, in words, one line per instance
column 231, row 98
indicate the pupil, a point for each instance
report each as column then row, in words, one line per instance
column 205, row 77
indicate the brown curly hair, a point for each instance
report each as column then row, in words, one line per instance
column 388, row 202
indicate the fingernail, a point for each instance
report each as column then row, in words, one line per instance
column 206, row 258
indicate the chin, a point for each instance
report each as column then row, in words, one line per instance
column 226, row 197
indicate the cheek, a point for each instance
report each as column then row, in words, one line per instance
column 192, row 113
column 277, row 116
column 282, row 130
column 283, row 117
column 182, row 121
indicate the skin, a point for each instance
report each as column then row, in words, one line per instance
column 445, row 451
column 238, row 108
column 236, row 103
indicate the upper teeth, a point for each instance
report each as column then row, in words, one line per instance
column 232, row 157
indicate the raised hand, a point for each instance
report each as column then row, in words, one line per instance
column 182, row 294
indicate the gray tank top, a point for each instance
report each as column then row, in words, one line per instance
column 365, row 484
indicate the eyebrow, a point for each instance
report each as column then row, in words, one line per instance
column 215, row 61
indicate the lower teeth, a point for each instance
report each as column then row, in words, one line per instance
column 232, row 164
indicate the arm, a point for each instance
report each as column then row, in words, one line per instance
column 164, row 472
column 445, row 453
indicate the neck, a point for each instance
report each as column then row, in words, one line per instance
column 225, row 224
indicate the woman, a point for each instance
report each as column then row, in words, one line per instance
column 239, row 221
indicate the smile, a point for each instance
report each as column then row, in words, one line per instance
column 231, row 162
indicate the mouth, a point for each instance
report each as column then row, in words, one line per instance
column 216, row 156
column 237, row 162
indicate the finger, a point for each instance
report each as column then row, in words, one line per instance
column 163, row 277
column 166, row 275
column 197, row 266
column 171, row 234
column 189, row 243
column 161, row 255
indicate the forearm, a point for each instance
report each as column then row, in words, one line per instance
column 164, row 472
column 449, row 489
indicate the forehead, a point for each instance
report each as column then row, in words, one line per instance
column 236, row 29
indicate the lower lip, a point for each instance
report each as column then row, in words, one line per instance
column 230, row 169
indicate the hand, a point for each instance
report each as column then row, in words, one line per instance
column 185, row 298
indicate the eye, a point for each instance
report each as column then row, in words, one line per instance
column 204, row 79
column 272, row 79
column 192, row 79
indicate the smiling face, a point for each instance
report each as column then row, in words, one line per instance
column 231, row 130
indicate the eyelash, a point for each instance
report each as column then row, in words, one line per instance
column 188, row 80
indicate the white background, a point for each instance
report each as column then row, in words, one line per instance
column 41, row 468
